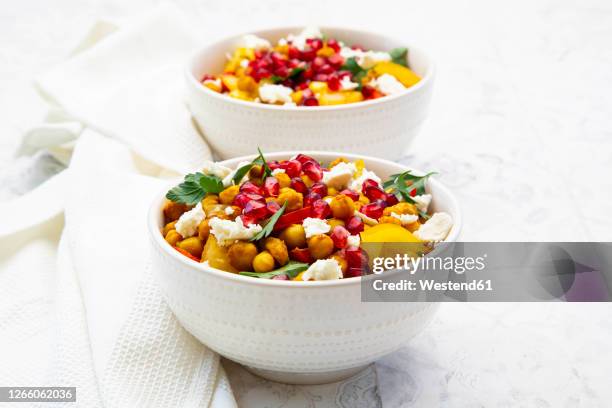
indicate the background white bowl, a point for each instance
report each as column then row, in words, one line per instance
column 295, row 332
column 382, row 127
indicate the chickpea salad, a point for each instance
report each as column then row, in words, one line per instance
column 296, row 219
column 310, row 69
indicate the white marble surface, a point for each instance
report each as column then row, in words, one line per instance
column 520, row 128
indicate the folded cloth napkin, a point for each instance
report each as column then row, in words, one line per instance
column 113, row 336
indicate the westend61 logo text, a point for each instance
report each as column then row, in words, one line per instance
column 405, row 262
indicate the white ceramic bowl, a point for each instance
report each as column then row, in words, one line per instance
column 295, row 332
column 383, row 127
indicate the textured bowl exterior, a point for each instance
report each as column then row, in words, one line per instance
column 290, row 327
column 382, row 128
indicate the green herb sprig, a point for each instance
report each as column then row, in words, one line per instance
column 260, row 160
column 403, row 184
column 399, row 56
column 269, row 224
column 194, row 187
column 291, row 269
column 358, row 72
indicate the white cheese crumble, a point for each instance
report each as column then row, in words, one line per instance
column 244, row 63
column 347, row 85
column 357, row 184
column 299, row 41
column 229, row 210
column 405, row 218
column 365, row 59
column 275, row 93
column 253, row 41
column 323, row 269
column 277, row 171
column 187, row 224
column 315, row 226
column 422, row 201
column 436, row 228
column 353, row 241
column 215, row 169
column 227, row 232
column 227, row 180
column 366, row 220
column 339, row 176
column 387, row 84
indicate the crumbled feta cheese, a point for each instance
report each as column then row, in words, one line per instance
column 323, row 269
column 253, row 41
column 187, row 224
column 347, row 85
column 275, row 93
column 299, row 41
column 277, row 171
column 215, row 169
column 422, row 202
column 353, row 241
column 227, row 231
column 365, row 59
column 229, row 210
column 387, row 84
column 227, row 180
column 339, row 176
column 315, row 226
column 405, row 218
column 357, row 183
column 436, row 228
column 366, row 220
column 244, row 63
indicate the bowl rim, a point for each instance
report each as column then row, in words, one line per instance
column 195, row 83
column 157, row 237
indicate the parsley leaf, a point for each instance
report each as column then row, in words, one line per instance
column 194, row 187
column 291, row 269
column 241, row 172
column 406, row 182
column 261, row 160
column 269, row 224
column 354, row 68
column 276, row 79
column 399, row 56
column 296, row 71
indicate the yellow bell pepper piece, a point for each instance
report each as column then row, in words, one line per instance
column 338, row 98
column 406, row 76
column 230, row 81
column 299, row 276
column 212, row 85
column 238, row 94
column 326, row 51
column 388, row 233
column 247, row 84
column 318, row 87
column 296, row 97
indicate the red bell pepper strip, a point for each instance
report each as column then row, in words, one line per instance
column 187, row 254
column 294, row 217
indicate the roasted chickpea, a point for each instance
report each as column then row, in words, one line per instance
column 203, row 230
column 241, row 255
column 173, row 237
column 277, row 249
column 320, row 246
column 331, row 191
column 283, row 179
column 209, row 202
column 337, row 161
column 294, row 236
column 294, row 200
column 173, row 211
column 334, row 222
column 192, row 245
column 227, row 196
column 263, row 262
column 169, row 226
column 341, row 261
column 401, row 208
column 413, row 226
column 342, row 206
column 387, row 219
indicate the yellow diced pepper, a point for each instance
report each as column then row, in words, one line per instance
column 317, row 86
column 326, row 52
column 296, row 97
column 406, row 76
column 247, row 84
column 212, row 85
column 238, row 94
column 230, row 81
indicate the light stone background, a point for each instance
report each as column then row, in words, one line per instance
column 520, row 128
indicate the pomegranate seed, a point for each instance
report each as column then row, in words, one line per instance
column 248, row 219
column 274, row 164
column 368, row 183
column 368, row 91
column 280, row 277
column 303, row 86
column 336, row 60
column 256, row 209
column 282, row 71
column 326, row 69
column 242, row 199
column 294, row 53
column 272, row 207
column 308, row 54
column 298, row 185
column 354, row 225
column 356, row 257
column 310, row 198
column 375, row 193
column 251, row 188
column 293, row 168
column 340, row 236
column 321, row 77
column 311, row 101
column 308, row 93
column 288, row 83
column 353, row 195
column 391, row 199
column 358, row 47
column 301, row 255
column 343, row 74
column 313, row 170
column 333, row 43
column 207, row 77
column 317, row 63
column 315, row 43
column 413, row 193
column 320, row 209
column 353, row 273
column 373, row 210
column 271, row 187
column 319, row 188
column 333, row 82
column 302, row 158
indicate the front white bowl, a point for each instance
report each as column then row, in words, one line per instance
column 296, row 332
column 383, row 127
